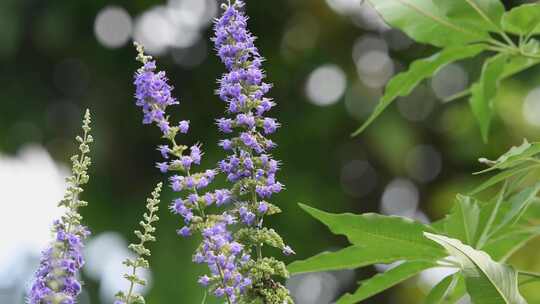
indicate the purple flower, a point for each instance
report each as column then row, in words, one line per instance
column 224, row 258
column 204, row 280
column 56, row 277
column 263, row 207
column 153, row 94
column 184, row 231
column 183, row 126
column 248, row 167
column 163, row 167
column 164, row 150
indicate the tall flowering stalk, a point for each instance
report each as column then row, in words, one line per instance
column 146, row 235
column 56, row 279
column 249, row 167
column 232, row 239
column 223, row 255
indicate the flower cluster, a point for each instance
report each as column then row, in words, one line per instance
column 238, row 270
column 218, row 251
column 249, row 166
column 223, row 256
column 56, row 279
column 150, row 218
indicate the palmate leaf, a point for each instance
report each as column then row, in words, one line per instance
column 423, row 21
column 385, row 280
column 403, row 83
column 487, row 281
column 376, row 239
column 483, row 14
column 523, row 20
column 484, row 91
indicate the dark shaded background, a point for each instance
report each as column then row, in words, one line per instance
column 52, row 67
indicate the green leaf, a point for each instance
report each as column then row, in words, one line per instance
column 403, row 83
column 519, row 204
column 463, row 219
column 357, row 256
column 523, row 20
column 482, row 14
column 372, row 229
column 487, row 281
column 458, row 292
column 385, row 280
column 515, row 156
column 440, row 292
column 501, row 248
column 500, row 177
column 423, row 22
column 484, row 91
column 518, row 64
column 515, row 65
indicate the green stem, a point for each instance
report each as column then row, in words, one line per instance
column 485, row 233
column 529, row 274
column 131, row 285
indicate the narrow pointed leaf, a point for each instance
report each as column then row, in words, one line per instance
column 403, row 83
column 519, row 204
column 517, row 155
column 484, row 91
column 385, row 280
column 500, row 177
column 372, row 229
column 487, row 281
column 356, row 256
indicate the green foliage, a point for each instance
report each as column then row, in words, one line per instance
column 487, row 281
column 403, row 83
column 463, row 29
column 144, row 236
column 462, row 222
column 385, row 280
column 523, row 20
column 477, row 237
column 484, row 91
column 442, row 292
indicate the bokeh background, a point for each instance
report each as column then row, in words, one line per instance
column 329, row 61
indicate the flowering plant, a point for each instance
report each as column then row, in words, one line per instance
column 56, row 280
column 475, row 239
column 239, row 272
